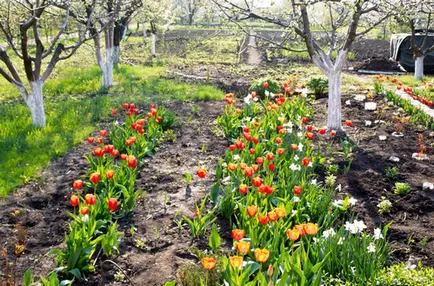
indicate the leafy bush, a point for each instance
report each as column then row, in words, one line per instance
column 402, row 275
column 319, row 85
column 402, row 188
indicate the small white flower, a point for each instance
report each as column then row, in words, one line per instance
column 310, row 164
column 314, row 181
column 237, row 157
column 300, row 134
column 378, row 234
column 352, row 201
column 255, row 99
column 348, row 102
column 294, row 212
column 300, row 147
column 341, row 240
column 328, row 233
column 224, row 165
column 356, row 227
column 339, row 188
column 267, row 93
column 247, row 99
column 272, row 95
column 338, row 203
column 296, row 199
column 368, row 123
column 294, row 167
column 117, row 123
column 371, row 247
column 296, row 158
column 226, row 180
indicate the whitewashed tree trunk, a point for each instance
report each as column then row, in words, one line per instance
column 35, row 102
column 145, row 35
column 107, row 69
column 334, row 114
column 153, row 40
column 124, row 33
column 418, row 68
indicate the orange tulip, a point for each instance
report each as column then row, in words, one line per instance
column 292, row 234
column 311, row 228
column 281, row 212
column 201, row 173
column 232, row 167
column 272, row 216
column 236, row 261
column 252, row 210
column 261, row 255
column 237, row 234
column 242, row 246
column 243, row 189
column 208, row 263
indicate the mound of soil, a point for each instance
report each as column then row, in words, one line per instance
column 380, row 65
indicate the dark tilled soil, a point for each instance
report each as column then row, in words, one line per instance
column 159, row 249
column 412, row 215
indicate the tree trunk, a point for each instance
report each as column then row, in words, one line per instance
column 107, row 69
column 144, row 30
column 153, row 40
column 418, row 68
column 334, row 112
column 35, row 102
column 117, row 35
column 190, row 19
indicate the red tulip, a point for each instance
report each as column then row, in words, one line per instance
column 237, row 234
column 149, row 115
column 98, row 152
column 103, row 133
column 306, row 161
column 108, row 148
column 94, row 178
column 270, row 156
column 259, row 160
column 309, row 128
column 74, row 200
column 153, row 105
column 84, row 210
column 78, row 184
column 280, row 151
column 256, row 140
column 99, row 140
column 263, row 219
column 129, row 112
column 90, row 199
column 252, row 151
column 201, row 173
column 246, row 129
column 232, row 167
column 247, row 136
column 252, row 210
column 112, row 204
column 153, row 111
column 322, row 131
column 310, row 135
column 132, row 161
column 278, row 140
column 272, row 216
column 297, row 190
column 115, row 153
column 114, row 111
column 333, row 133
column 248, row 171
column 257, row 182
column 348, row 123
column 239, row 144
column 125, row 105
column 294, row 147
column 244, row 189
column 271, row 167
column 90, row 140
column 232, row 147
column 304, row 119
column 123, row 157
column 109, row 174
column 265, row 85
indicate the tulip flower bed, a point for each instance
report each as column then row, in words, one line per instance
column 109, row 192
column 286, row 230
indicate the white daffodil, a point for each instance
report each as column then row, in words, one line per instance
column 296, row 158
column 371, row 247
column 328, row 233
column 378, row 234
column 352, row 201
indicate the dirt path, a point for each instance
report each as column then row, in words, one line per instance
column 158, row 249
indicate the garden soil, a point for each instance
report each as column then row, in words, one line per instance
column 159, row 250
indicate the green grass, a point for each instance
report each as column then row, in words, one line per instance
column 74, row 107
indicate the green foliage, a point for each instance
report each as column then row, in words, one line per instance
column 199, row 225
column 261, row 90
column 318, row 84
column 214, row 238
column 401, row 274
column 392, row 173
column 402, row 188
